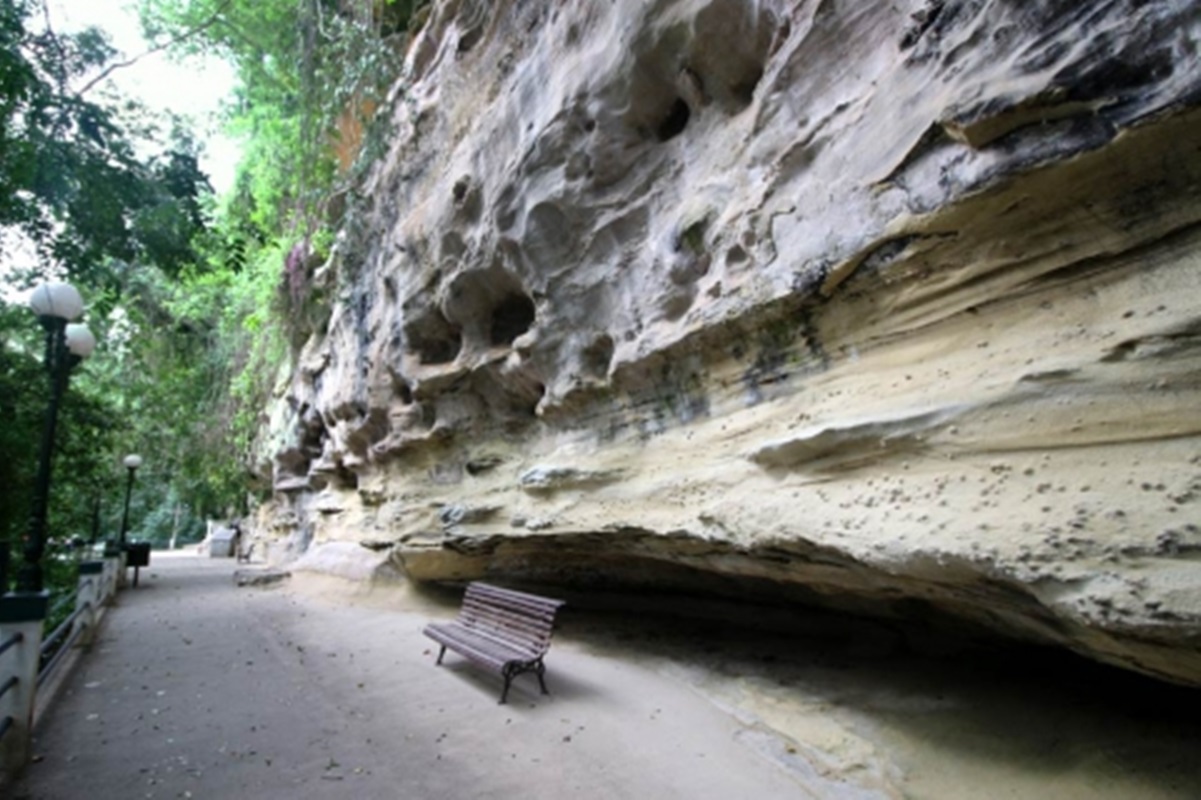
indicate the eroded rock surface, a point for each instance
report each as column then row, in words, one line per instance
column 892, row 306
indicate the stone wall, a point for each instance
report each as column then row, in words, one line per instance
column 891, row 306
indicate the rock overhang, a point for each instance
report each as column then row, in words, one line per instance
column 687, row 269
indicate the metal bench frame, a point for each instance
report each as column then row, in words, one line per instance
column 500, row 629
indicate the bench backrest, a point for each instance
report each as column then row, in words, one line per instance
column 519, row 619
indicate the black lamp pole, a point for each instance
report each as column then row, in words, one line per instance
column 132, row 467
column 58, row 362
column 54, row 303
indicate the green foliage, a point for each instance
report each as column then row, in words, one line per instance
column 309, row 71
column 69, row 178
column 164, row 519
column 83, row 460
column 21, row 406
column 78, row 192
column 198, row 304
column 312, row 75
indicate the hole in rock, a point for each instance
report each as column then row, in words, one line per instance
column 597, row 356
column 345, row 478
column 511, row 317
column 404, row 392
column 453, row 245
column 744, row 92
column 433, row 339
column 675, row 122
column 732, row 46
column 490, row 306
column 468, row 39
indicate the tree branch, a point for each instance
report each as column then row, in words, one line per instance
column 111, row 68
column 60, row 74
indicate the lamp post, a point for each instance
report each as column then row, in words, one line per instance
column 66, row 345
column 131, row 462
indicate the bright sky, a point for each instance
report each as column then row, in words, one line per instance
column 195, row 88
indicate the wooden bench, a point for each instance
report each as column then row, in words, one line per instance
column 501, row 630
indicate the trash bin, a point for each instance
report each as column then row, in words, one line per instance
column 137, row 554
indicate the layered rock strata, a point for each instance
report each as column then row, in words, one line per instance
column 887, row 305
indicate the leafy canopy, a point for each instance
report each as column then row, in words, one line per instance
column 198, row 302
column 72, row 181
column 95, row 189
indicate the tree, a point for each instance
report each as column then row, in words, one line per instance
column 198, row 304
column 304, row 65
column 82, row 469
column 71, row 179
column 96, row 189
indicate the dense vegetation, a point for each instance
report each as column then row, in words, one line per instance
column 198, row 301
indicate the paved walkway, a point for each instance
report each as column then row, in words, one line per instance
column 199, row 689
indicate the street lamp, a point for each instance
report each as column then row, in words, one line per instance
column 56, row 304
column 131, row 462
column 80, row 342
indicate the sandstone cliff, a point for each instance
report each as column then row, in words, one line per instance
column 891, row 306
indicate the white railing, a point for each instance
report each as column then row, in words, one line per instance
column 31, row 663
column 10, row 678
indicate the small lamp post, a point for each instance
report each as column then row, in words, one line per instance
column 131, row 462
column 56, row 304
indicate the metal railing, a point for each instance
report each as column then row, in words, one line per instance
column 12, row 641
column 59, row 642
column 54, row 647
column 37, row 660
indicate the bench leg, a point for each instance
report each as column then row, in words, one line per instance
column 505, row 692
column 441, row 653
column 511, row 671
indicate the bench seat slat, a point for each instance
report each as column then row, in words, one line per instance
column 477, row 649
column 498, row 652
column 525, row 648
column 525, row 644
